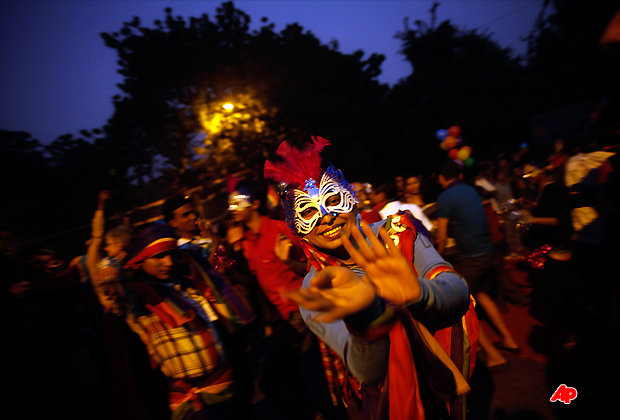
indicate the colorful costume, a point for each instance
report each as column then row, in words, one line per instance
column 176, row 319
column 385, row 339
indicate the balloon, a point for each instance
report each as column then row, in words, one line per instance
column 450, row 142
column 452, row 154
column 459, row 162
column 444, row 145
column 464, row 153
column 468, row 162
column 441, row 134
column 454, row 131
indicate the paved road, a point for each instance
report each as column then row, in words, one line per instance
column 522, row 389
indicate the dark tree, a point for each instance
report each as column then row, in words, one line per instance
column 24, row 170
column 460, row 77
column 284, row 85
column 566, row 61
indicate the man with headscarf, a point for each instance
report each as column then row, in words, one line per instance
column 181, row 309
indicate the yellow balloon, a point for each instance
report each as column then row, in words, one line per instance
column 463, row 154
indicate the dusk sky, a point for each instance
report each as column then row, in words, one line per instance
column 57, row 76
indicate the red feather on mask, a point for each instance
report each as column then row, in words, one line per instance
column 281, row 173
column 298, row 165
column 293, row 159
column 314, row 158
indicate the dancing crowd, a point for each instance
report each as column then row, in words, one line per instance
column 341, row 300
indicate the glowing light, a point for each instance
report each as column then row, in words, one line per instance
column 228, row 106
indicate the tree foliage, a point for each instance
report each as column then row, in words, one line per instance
column 170, row 131
column 288, row 85
column 566, row 62
column 49, row 188
column 460, row 77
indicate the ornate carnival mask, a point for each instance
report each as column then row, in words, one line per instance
column 304, row 203
column 334, row 196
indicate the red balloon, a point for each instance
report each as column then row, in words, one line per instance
column 453, row 153
column 454, row 131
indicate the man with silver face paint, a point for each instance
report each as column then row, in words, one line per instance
column 375, row 296
column 272, row 252
column 291, row 367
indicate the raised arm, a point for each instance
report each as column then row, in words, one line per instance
column 282, row 249
column 105, row 280
column 93, row 254
column 398, row 283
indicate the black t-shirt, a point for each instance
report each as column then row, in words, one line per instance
column 554, row 202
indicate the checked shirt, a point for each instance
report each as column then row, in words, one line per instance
column 187, row 351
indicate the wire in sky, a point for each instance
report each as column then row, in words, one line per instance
column 511, row 13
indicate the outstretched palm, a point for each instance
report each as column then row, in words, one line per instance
column 386, row 267
column 336, row 292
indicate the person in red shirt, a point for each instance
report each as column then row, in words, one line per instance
column 273, row 253
column 275, row 256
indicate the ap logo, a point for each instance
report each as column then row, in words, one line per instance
column 565, row 394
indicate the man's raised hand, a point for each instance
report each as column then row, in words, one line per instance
column 282, row 247
column 384, row 265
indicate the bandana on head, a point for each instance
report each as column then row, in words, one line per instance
column 304, row 202
column 152, row 241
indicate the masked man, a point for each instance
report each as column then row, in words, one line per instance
column 372, row 300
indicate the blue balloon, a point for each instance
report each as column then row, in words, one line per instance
column 441, row 134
